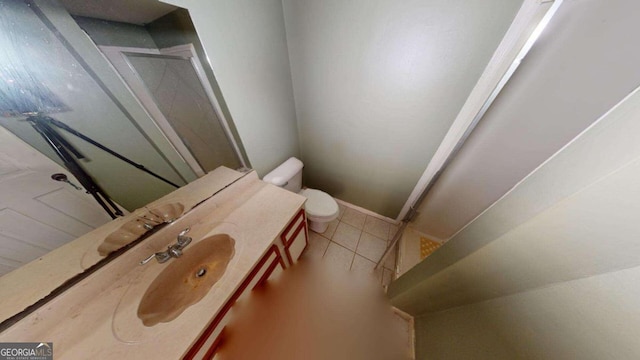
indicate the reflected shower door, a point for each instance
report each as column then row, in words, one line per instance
column 175, row 96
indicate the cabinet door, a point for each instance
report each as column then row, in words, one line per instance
column 211, row 339
column 295, row 237
column 272, row 271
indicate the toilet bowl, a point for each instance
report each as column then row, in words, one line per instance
column 320, row 207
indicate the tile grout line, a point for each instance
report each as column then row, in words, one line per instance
column 353, row 251
column 362, row 232
column 358, row 243
column 342, row 246
column 327, row 248
column 352, row 260
column 364, row 256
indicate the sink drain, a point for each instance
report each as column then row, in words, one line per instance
column 201, row 272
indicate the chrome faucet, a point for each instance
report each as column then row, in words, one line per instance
column 173, row 251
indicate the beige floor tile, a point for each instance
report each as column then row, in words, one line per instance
column 392, row 231
column 354, row 218
column 338, row 257
column 317, row 246
column 347, row 236
column 363, row 266
column 331, row 229
column 371, row 247
column 376, row 227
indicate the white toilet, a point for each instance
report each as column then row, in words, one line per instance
column 320, row 207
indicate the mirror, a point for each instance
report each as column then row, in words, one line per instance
column 156, row 104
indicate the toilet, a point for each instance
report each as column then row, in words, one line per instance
column 320, row 207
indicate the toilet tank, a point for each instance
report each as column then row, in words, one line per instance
column 288, row 175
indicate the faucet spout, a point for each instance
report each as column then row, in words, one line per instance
column 182, row 239
column 173, row 251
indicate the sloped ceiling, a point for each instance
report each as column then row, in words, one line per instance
column 137, row 12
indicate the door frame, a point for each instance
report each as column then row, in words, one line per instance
column 116, row 55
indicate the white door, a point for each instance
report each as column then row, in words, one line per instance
column 37, row 213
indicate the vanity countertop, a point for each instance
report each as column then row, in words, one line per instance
column 97, row 317
column 35, row 280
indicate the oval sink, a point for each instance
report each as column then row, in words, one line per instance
column 186, row 280
column 167, row 212
column 127, row 233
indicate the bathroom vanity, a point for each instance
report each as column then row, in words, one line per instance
column 240, row 238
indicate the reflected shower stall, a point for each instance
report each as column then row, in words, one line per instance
column 173, row 88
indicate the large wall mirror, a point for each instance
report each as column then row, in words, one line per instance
column 129, row 75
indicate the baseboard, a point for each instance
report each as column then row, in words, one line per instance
column 368, row 212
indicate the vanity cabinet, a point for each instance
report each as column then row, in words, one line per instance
column 295, row 237
column 268, row 223
column 293, row 240
column 268, row 267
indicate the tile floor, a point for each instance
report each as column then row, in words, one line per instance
column 355, row 241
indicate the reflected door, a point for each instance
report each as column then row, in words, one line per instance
column 175, row 94
column 37, row 213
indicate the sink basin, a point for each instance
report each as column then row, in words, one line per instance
column 121, row 237
column 135, row 228
column 166, row 212
column 186, row 280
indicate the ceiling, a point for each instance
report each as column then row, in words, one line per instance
column 138, row 12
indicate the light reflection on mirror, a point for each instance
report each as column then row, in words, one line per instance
column 48, row 65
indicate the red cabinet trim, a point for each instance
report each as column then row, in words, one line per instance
column 285, row 239
column 215, row 346
column 227, row 306
column 288, row 241
column 302, row 226
column 277, row 261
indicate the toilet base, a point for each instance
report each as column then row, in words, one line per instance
column 319, row 227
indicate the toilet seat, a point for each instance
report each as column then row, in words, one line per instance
column 320, row 205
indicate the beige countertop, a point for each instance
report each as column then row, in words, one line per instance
column 33, row 281
column 97, row 317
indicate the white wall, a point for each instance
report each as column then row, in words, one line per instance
column 245, row 42
column 574, row 217
column 377, row 85
column 551, row 269
column 591, row 318
column 584, row 62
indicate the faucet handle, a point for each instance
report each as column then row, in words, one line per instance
column 174, row 251
column 147, row 259
column 160, row 256
column 183, row 241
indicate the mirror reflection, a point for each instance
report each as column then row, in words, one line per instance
column 121, row 90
